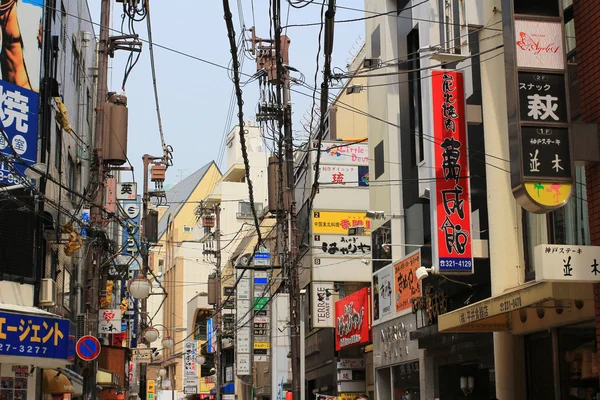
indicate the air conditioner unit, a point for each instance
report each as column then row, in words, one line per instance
column 48, row 293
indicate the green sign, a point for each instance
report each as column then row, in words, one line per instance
column 260, row 302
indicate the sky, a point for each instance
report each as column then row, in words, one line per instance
column 194, row 96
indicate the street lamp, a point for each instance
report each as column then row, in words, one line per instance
column 151, row 334
column 200, row 359
column 139, row 287
column 162, row 372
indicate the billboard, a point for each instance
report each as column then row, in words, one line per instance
column 322, row 304
column 338, row 222
column 19, row 87
column 344, row 175
column 353, row 319
column 452, row 222
column 340, row 153
column 383, row 293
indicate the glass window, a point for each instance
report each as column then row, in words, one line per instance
column 578, row 362
column 67, row 289
column 405, row 381
column 244, row 208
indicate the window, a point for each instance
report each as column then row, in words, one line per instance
column 450, row 28
column 379, row 160
column 414, row 90
column 57, row 146
column 244, row 209
column 537, row 7
column 187, row 229
column 75, row 62
column 161, row 265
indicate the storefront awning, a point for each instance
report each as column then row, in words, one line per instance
column 494, row 314
column 56, row 382
column 76, row 380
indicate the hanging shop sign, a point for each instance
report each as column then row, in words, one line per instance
column 322, row 305
column 344, row 175
column 190, row 352
column 407, row 285
column 567, row 263
column 433, row 303
column 542, row 170
column 109, row 321
column 338, row 222
column 341, row 246
column 452, row 199
column 353, row 319
column 19, row 104
column 340, row 153
column 126, row 190
column 26, row 335
column 383, row 293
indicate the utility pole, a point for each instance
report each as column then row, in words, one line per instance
column 217, row 211
column 96, row 220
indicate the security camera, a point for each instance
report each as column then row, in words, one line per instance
column 422, row 273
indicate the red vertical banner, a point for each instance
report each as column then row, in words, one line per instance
column 452, row 199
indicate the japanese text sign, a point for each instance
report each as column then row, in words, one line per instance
column 34, row 336
column 109, row 321
column 322, row 305
column 344, row 175
column 19, row 93
column 353, row 319
column 452, row 201
column 383, row 293
column 341, row 246
column 19, row 118
column 126, row 191
column 542, row 97
column 338, row 222
column 407, row 286
column 190, row 352
column 340, row 153
column 131, row 231
column 567, row 263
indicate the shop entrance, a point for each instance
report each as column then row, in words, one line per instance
column 563, row 363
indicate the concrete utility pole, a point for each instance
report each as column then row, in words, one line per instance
column 217, row 210
column 96, row 220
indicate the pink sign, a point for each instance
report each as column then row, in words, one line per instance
column 539, row 44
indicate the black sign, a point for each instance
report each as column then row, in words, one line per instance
column 546, row 152
column 542, row 97
column 260, row 313
column 261, row 329
column 228, row 291
column 229, row 304
column 261, row 351
column 117, row 272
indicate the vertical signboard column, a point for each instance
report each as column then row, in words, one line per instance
column 451, row 199
column 261, row 343
column 542, row 170
column 243, row 354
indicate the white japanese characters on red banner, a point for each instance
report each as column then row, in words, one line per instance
column 190, row 352
column 567, row 263
column 110, row 321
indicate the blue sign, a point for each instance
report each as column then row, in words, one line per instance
column 19, row 119
column 209, row 335
column 261, row 281
column 34, row 336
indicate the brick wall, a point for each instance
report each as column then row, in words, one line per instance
column 587, row 29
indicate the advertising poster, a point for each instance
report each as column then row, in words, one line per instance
column 109, row 321
column 407, row 286
column 340, row 153
column 383, row 293
column 19, row 85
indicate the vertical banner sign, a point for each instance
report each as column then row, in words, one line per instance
column 407, row 284
column 190, row 351
column 541, row 162
column 322, row 305
column 19, row 88
column 452, row 201
column 130, row 240
column 353, row 319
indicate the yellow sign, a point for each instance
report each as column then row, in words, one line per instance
column 262, row 345
column 150, row 386
column 338, row 222
column 347, row 396
column 549, row 194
